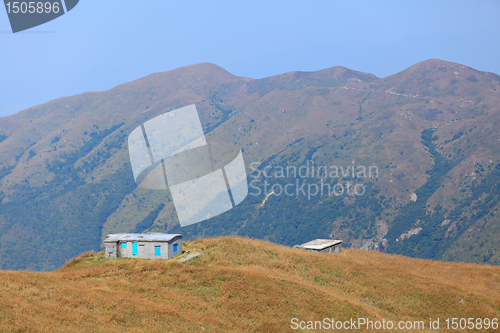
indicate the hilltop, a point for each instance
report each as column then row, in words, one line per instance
column 243, row 285
column 431, row 130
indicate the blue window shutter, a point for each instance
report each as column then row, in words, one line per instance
column 175, row 247
column 134, row 249
column 124, row 245
column 157, row 251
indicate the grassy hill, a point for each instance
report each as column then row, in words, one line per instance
column 431, row 130
column 243, row 285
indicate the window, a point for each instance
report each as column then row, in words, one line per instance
column 124, row 245
column 134, row 249
column 175, row 247
column 157, row 250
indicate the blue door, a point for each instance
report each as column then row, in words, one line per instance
column 157, row 251
column 175, row 247
column 134, row 249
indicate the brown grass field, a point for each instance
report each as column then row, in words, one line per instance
column 243, row 285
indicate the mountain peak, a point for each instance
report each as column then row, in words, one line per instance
column 430, row 64
column 436, row 77
column 203, row 68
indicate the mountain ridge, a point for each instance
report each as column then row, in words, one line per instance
column 65, row 176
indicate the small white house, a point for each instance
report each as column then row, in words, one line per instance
column 322, row 245
column 145, row 246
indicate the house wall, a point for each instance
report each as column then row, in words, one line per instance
column 110, row 250
column 171, row 252
column 333, row 249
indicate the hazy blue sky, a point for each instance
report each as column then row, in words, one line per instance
column 101, row 44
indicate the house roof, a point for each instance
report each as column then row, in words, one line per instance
column 319, row 244
column 112, row 238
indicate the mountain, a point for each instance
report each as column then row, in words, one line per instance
column 427, row 134
column 243, row 285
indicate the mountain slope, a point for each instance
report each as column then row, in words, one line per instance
column 430, row 131
column 245, row 286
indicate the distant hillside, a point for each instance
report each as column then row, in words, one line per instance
column 242, row 285
column 431, row 131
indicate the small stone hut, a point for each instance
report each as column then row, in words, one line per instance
column 322, row 245
column 145, row 246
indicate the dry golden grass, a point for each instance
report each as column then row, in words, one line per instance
column 242, row 285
